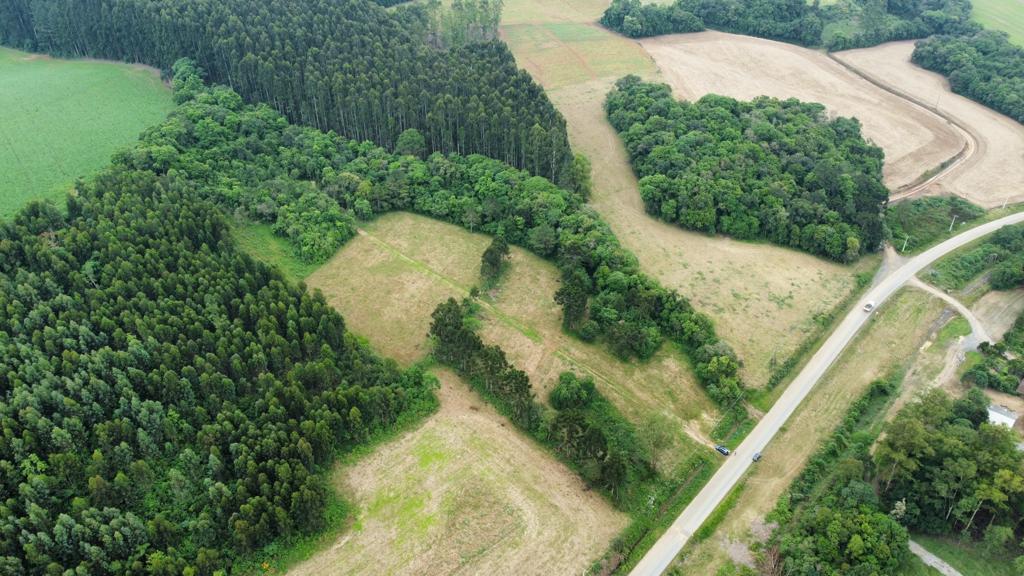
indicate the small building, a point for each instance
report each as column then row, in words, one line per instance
column 1001, row 415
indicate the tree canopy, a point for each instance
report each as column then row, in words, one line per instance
column 837, row 26
column 985, row 66
column 167, row 403
column 252, row 162
column 774, row 169
column 347, row 65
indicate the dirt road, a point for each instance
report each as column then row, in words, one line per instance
column 668, row 546
column 994, row 173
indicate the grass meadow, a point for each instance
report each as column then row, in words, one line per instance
column 1005, row 15
column 61, row 119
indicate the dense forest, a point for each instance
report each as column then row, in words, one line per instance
column 836, row 26
column 984, row 66
column 580, row 425
column 312, row 185
column 347, row 65
column 167, row 402
column 949, row 471
column 771, row 169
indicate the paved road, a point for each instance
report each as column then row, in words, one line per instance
column 668, row 546
column 933, row 560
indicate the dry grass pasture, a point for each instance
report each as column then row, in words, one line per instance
column 388, row 280
column 763, row 298
column 889, row 342
column 466, row 493
column 995, row 173
column 744, row 67
column 997, row 310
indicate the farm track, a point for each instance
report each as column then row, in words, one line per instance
column 961, row 159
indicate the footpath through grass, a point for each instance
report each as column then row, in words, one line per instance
column 61, row 119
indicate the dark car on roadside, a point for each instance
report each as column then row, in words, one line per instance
column 722, row 450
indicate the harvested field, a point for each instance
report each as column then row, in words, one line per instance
column 889, row 342
column 997, row 310
column 764, row 299
column 744, row 67
column 995, row 172
column 561, row 44
column 388, row 280
column 466, row 493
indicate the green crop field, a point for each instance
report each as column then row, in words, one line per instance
column 60, row 119
column 1005, row 15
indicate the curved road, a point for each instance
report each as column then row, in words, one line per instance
column 668, row 546
column 953, row 163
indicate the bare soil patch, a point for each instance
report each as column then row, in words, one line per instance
column 997, row 310
column 891, row 340
column 995, row 173
column 466, row 493
column 744, row 67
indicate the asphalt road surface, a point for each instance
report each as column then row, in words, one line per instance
column 668, row 546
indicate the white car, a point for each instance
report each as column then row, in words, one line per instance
column 869, row 306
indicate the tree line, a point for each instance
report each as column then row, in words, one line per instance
column 168, row 404
column 836, row 26
column 939, row 468
column 765, row 169
column 345, row 65
column 580, row 425
column 984, row 66
column 253, row 163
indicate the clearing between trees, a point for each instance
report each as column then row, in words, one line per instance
column 391, row 272
column 467, row 492
column 886, row 344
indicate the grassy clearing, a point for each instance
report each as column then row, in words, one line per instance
column 970, row 558
column 464, row 492
column 918, row 224
column 61, row 119
column 260, row 242
column 1005, row 15
column 387, row 281
column 886, row 345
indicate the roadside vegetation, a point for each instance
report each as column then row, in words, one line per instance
column 61, row 120
column 1000, row 257
column 922, row 222
column 818, row 184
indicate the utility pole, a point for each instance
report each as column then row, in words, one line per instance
column 953, row 222
column 907, row 239
column 1005, row 200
